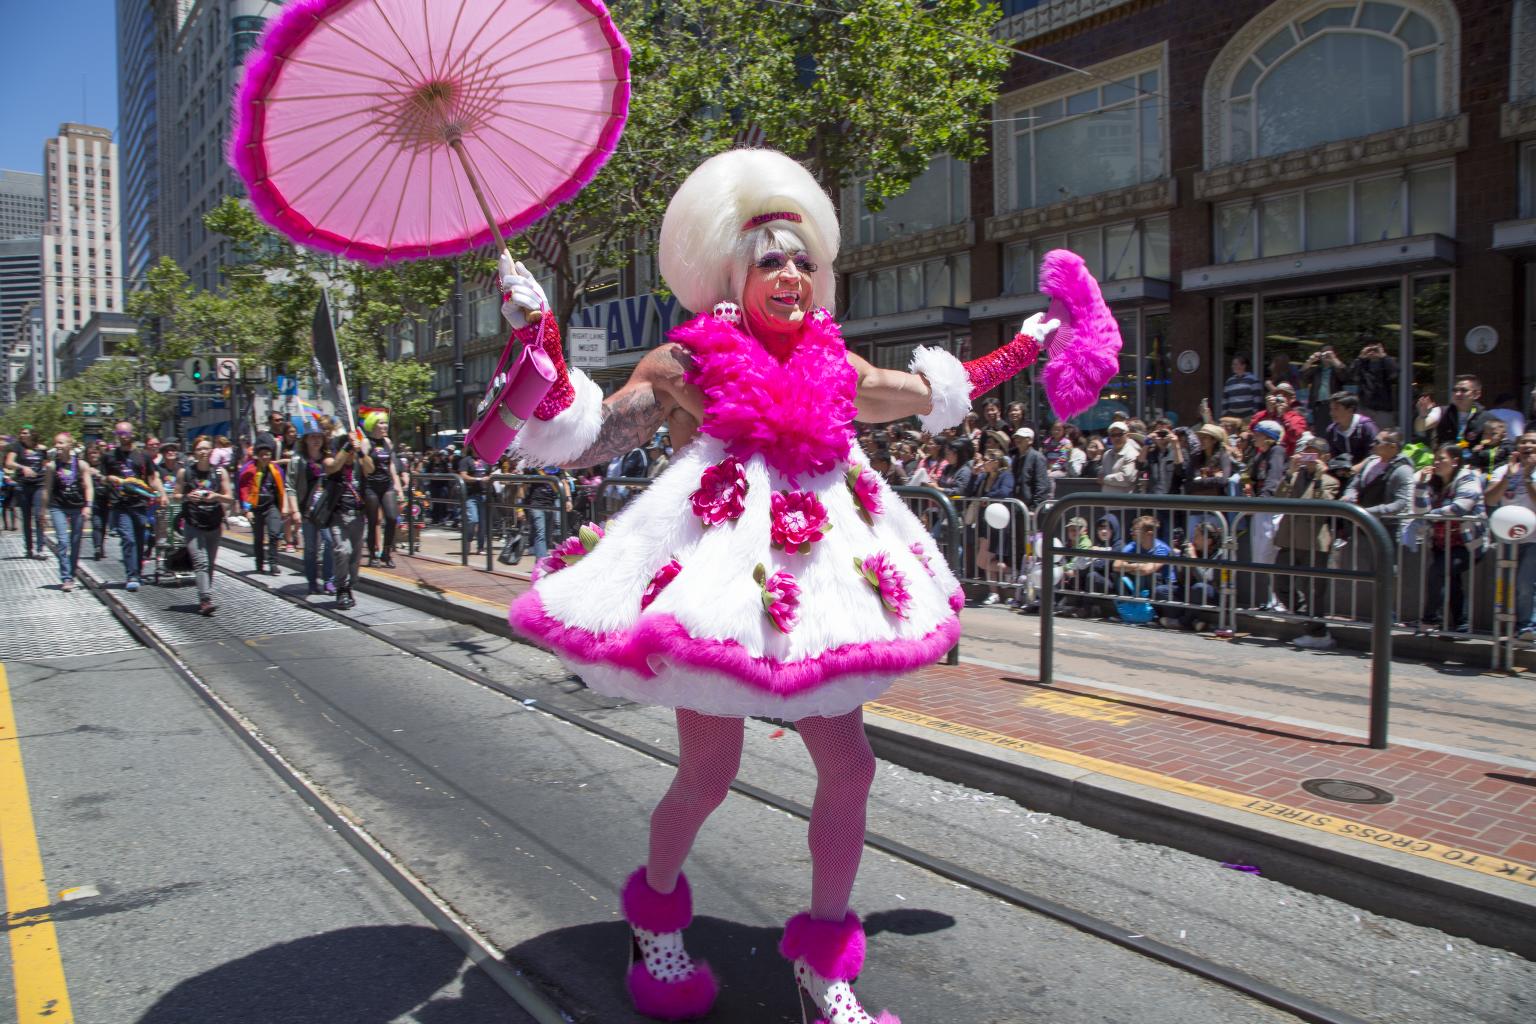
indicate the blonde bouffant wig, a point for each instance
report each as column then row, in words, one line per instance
column 708, row 237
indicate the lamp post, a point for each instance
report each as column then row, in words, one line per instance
column 458, row 346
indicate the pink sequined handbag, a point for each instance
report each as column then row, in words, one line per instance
column 516, row 389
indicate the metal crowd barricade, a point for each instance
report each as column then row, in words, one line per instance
column 1366, row 528
column 994, row 557
column 461, row 499
column 936, row 511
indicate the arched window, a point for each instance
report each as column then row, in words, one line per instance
column 1304, row 74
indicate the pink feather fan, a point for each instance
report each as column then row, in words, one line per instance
column 1085, row 350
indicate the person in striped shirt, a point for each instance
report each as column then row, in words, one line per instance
column 1243, row 394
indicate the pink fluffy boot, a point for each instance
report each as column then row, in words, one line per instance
column 664, row 982
column 828, row 956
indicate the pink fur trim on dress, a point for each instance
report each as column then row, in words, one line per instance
column 1085, row 349
column 795, row 413
column 689, row 999
column 664, row 636
column 286, row 33
column 834, row 949
column 654, row 911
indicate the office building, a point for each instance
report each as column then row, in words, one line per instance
column 23, row 204
column 137, row 138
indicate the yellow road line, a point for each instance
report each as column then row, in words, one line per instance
column 1333, row 824
column 39, row 972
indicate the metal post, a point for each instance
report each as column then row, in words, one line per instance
column 458, row 347
column 463, row 521
column 1048, row 597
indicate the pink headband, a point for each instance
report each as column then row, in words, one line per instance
column 764, row 218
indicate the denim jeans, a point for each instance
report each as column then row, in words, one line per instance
column 319, row 554
column 479, row 522
column 1525, row 588
column 30, row 501
column 67, row 526
column 203, row 546
column 346, row 532
column 267, row 534
column 101, row 527
column 133, row 527
column 538, row 520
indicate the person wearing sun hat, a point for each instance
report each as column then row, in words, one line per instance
column 1208, row 467
column 768, row 571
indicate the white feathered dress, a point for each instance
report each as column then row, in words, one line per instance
column 768, row 571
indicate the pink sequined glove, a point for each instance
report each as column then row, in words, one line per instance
column 1006, row 362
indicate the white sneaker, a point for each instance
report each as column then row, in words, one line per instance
column 991, row 599
column 1315, row 642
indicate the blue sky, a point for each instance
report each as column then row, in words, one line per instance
column 53, row 47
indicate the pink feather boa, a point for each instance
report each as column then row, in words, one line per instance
column 795, row 413
column 1085, row 350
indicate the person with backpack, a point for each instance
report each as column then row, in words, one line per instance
column 67, row 492
column 348, row 464
column 135, row 485
column 262, row 488
column 25, row 461
column 306, row 479
column 205, row 495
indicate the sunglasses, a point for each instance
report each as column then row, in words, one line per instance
column 776, row 260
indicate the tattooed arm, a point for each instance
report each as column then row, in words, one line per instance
column 656, row 393
column 888, row 395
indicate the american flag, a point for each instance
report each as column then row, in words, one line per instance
column 749, row 136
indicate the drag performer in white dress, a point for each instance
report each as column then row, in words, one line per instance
column 768, row 571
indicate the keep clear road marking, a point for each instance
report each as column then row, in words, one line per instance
column 1333, row 824
column 38, row 971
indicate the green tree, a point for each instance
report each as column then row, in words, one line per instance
column 119, row 381
column 859, row 89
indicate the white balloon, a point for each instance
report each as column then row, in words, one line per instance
column 997, row 515
column 1513, row 523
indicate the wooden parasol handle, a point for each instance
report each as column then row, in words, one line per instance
column 457, row 144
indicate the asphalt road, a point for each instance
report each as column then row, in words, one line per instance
column 526, row 826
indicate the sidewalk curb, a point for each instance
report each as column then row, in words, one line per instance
column 1492, row 912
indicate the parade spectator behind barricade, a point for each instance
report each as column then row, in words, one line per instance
column 657, row 454
column 904, row 455
column 1282, row 407
column 1118, row 470
column 957, row 477
column 473, row 470
column 135, row 484
column 1506, row 407
column 1492, row 449
column 1374, row 375
column 1450, row 488
column 1323, row 375
column 1093, row 457
column 205, row 496
column 930, row 462
column 67, row 491
column 1266, row 471
column 544, row 498
column 101, row 503
column 1303, row 540
column 1101, row 578
column 306, row 481
column 1165, row 460
column 1208, row 470
column 1200, row 585
column 1018, row 416
column 1062, row 448
column 1071, row 569
column 1462, row 422
column 992, row 421
column 994, row 548
column 1385, row 483
column 1349, row 432
column 584, row 490
column 971, row 429
column 1282, row 372
column 1031, row 473
column 1243, row 393
column 889, row 471
column 1143, row 578
column 264, row 492
column 1514, row 483
column 25, row 460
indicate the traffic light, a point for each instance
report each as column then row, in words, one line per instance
column 196, row 370
column 69, row 408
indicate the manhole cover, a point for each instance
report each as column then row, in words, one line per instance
column 1346, row 791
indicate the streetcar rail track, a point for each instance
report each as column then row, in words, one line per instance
column 1301, row 1007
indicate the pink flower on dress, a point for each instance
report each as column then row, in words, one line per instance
column 888, row 580
column 659, row 582
column 781, row 597
column 569, row 551
column 799, row 520
column 722, row 492
column 865, row 486
column 922, row 556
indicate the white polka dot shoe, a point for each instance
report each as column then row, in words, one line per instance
column 664, row 981
column 828, row 956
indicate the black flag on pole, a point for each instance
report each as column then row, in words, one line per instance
column 330, row 375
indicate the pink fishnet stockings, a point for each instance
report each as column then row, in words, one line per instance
column 710, row 749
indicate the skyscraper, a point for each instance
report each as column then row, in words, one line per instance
column 21, row 288
column 81, row 253
column 137, row 138
column 22, row 204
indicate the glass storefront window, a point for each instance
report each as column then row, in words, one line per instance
column 1234, row 232
column 1528, row 180
column 1154, row 254
column 1157, row 368
column 1122, row 253
column 1429, row 201
column 1280, row 225
column 962, row 267
column 938, row 197
column 910, row 286
column 1018, row 269
column 1379, row 209
column 885, row 292
column 1328, row 217
column 1236, row 339
column 1432, row 342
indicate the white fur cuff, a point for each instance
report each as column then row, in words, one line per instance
column 950, row 384
column 562, row 440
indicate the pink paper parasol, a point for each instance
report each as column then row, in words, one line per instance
column 389, row 130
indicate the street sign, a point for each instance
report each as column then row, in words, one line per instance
column 227, row 368
column 184, row 406
column 106, row 409
column 160, row 383
column 589, row 347
column 287, row 385
column 86, row 409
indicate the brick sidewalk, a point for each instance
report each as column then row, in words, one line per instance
column 1457, row 810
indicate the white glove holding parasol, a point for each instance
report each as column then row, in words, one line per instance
column 524, row 296
column 1038, row 328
